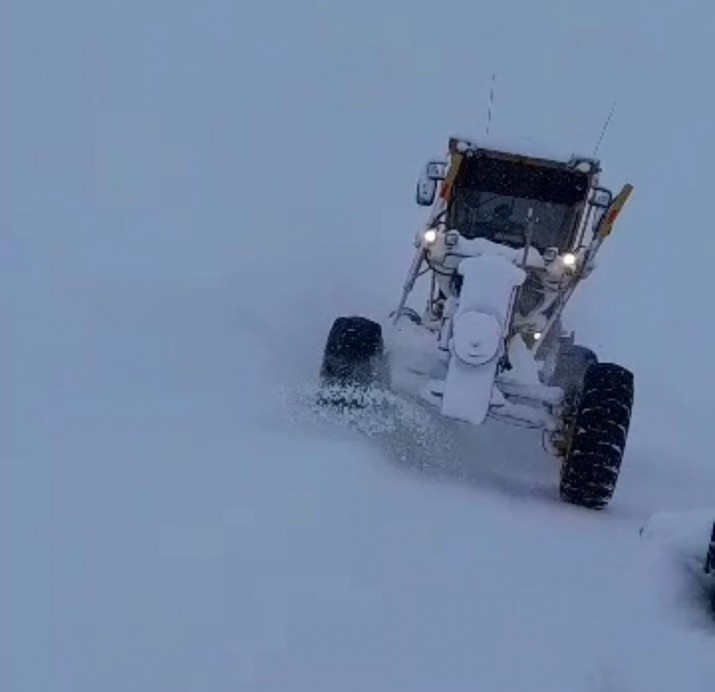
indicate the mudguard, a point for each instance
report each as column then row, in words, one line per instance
column 479, row 327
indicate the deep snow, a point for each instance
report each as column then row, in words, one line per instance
column 193, row 192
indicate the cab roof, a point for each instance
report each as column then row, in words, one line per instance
column 525, row 153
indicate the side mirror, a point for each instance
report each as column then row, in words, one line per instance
column 436, row 170
column 433, row 172
column 426, row 191
column 601, row 198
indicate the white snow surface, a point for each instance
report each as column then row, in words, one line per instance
column 476, row 247
column 175, row 513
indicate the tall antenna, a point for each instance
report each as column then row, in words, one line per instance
column 491, row 103
column 605, row 128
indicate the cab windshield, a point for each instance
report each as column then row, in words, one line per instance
column 492, row 199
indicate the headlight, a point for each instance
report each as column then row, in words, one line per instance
column 569, row 259
column 430, row 236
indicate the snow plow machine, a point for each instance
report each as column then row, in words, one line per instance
column 508, row 239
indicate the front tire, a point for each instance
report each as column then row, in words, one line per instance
column 354, row 353
column 598, row 439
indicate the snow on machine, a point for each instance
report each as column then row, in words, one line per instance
column 508, row 239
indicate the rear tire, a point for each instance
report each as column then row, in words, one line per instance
column 573, row 362
column 354, row 353
column 710, row 558
column 592, row 465
column 710, row 570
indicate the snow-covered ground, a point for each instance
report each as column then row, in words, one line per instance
column 194, row 192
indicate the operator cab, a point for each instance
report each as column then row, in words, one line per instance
column 493, row 195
